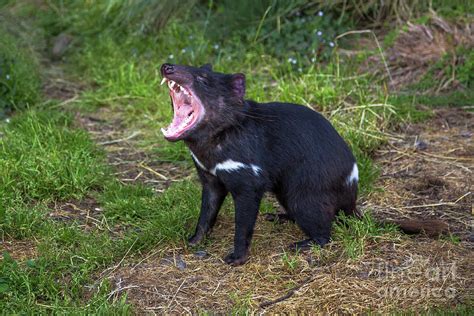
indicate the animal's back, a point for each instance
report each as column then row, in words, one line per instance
column 302, row 140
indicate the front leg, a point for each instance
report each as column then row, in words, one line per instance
column 213, row 195
column 246, row 211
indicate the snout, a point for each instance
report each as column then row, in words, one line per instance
column 167, row 69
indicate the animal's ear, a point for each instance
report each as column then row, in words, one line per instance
column 238, row 85
column 207, row 67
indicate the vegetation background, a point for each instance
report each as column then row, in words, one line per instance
column 95, row 206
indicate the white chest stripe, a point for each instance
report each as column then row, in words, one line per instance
column 354, row 176
column 256, row 169
column 229, row 165
column 198, row 162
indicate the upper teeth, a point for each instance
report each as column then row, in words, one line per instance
column 172, row 84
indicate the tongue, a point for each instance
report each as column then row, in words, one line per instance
column 181, row 119
column 175, row 125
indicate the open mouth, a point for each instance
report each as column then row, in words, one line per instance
column 187, row 110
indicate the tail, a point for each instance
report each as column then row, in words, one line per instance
column 428, row 227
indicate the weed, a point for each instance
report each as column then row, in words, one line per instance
column 241, row 303
column 452, row 238
column 290, row 261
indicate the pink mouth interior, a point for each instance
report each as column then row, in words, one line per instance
column 187, row 111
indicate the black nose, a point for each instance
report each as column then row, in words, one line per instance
column 167, row 69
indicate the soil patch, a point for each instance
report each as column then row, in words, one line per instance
column 131, row 164
column 19, row 249
column 427, row 172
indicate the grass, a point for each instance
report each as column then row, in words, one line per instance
column 354, row 234
column 47, row 161
column 19, row 74
column 43, row 159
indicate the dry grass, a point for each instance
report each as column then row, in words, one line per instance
column 417, row 48
column 177, row 281
column 427, row 172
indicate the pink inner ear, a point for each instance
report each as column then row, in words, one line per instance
column 238, row 83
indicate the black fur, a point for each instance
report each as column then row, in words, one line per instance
column 302, row 158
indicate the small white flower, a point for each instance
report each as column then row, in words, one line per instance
column 8, row 77
column 290, row 59
column 313, row 59
column 171, row 56
column 331, row 44
column 183, row 50
column 319, row 33
column 7, row 120
column 216, row 46
column 300, row 69
column 320, row 13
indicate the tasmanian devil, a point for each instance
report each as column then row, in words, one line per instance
column 247, row 148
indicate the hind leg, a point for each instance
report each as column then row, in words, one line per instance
column 315, row 220
column 347, row 201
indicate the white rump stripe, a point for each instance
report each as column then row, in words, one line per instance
column 354, row 176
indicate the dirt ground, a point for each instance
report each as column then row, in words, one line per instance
column 426, row 172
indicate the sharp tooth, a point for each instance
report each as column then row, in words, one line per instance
column 163, row 81
column 173, row 84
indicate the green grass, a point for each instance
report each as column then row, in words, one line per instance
column 43, row 158
column 69, row 257
column 150, row 217
column 354, row 234
column 19, row 74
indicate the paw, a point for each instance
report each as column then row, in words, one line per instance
column 195, row 239
column 234, row 260
column 308, row 243
column 301, row 245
